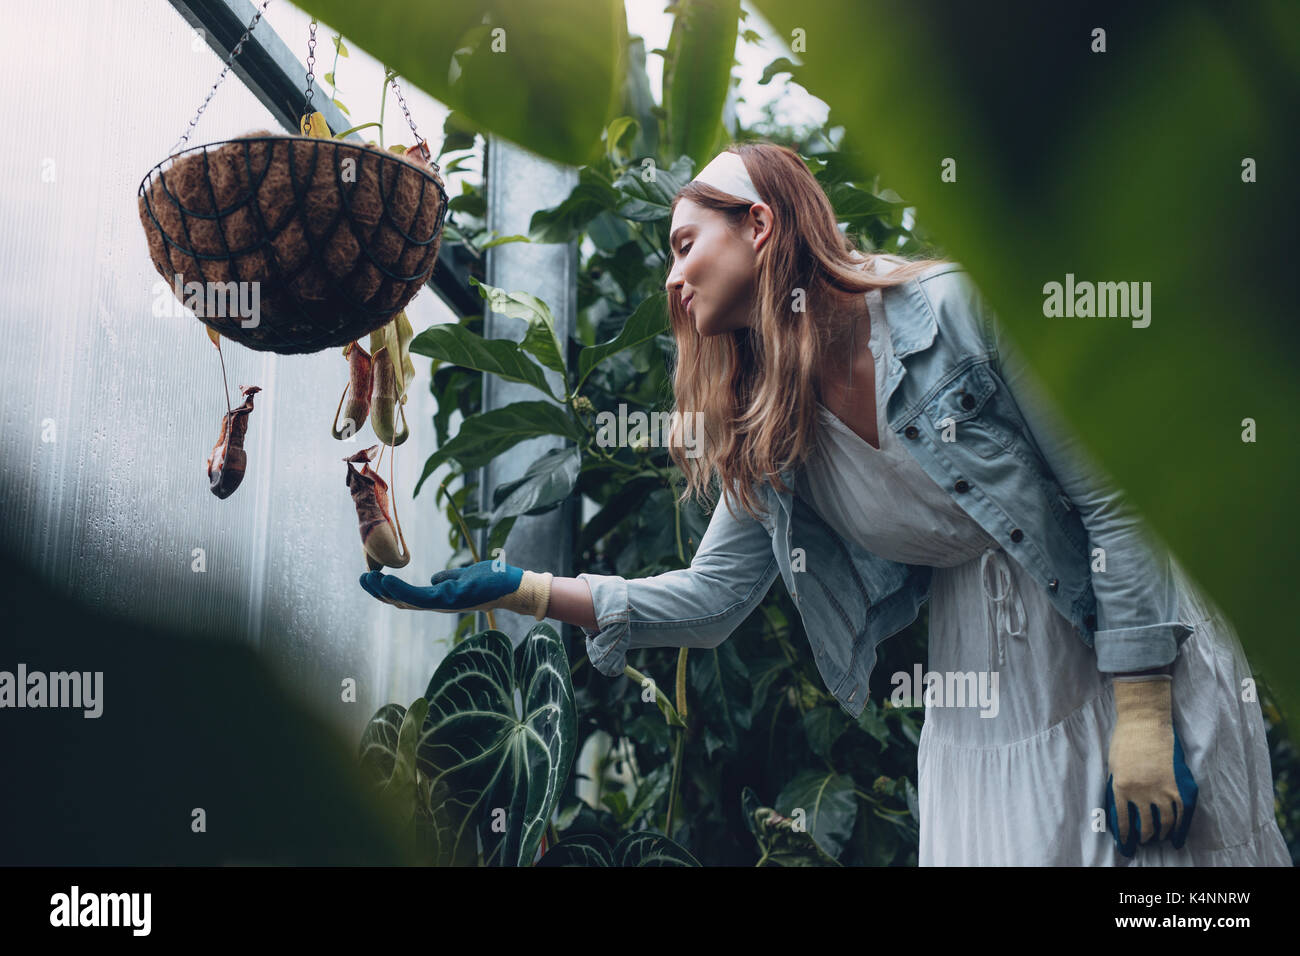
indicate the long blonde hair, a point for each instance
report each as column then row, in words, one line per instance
column 756, row 386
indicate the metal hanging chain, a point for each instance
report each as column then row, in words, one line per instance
column 185, row 137
column 311, row 65
column 421, row 143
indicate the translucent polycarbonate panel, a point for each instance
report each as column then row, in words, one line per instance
column 112, row 402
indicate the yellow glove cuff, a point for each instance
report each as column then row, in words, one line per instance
column 1141, row 753
column 532, row 597
column 1144, row 699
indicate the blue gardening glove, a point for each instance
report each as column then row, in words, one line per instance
column 1148, row 776
column 478, row 587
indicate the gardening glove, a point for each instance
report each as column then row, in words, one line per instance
column 478, row 587
column 1148, row 776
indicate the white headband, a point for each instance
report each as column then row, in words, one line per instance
column 727, row 172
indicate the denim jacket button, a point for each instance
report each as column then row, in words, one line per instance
column 910, row 431
column 962, row 485
column 1017, row 534
column 1053, row 584
column 968, row 401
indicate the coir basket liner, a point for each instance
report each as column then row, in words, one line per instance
column 338, row 236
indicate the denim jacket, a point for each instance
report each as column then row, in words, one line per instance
column 1013, row 467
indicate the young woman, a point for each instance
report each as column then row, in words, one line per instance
column 883, row 444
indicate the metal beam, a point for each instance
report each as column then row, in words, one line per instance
column 270, row 70
column 523, row 183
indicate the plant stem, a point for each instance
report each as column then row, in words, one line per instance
column 383, row 102
column 678, row 750
column 679, row 745
column 334, row 70
column 677, row 521
column 348, row 132
column 669, row 712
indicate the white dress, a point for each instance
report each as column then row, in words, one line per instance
column 1025, row 787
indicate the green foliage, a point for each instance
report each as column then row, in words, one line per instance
column 494, row 61
column 757, row 718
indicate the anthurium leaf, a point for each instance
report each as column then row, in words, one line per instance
column 649, row 319
column 546, row 483
column 378, row 748
column 645, row 848
column 497, row 62
column 484, row 436
column 457, row 345
column 400, row 790
column 697, row 75
column 1016, row 109
column 499, row 770
column 780, row 842
column 581, row 849
column 540, row 339
column 825, row 802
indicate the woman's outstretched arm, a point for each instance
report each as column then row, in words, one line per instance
column 571, row 603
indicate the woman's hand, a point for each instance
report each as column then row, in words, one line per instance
column 480, row 587
column 1148, row 776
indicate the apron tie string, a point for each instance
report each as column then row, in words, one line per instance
column 1006, row 612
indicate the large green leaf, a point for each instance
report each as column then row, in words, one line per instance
column 1123, row 165
column 459, row 346
column 649, row 319
column 648, row 191
column 546, row 74
column 484, row 436
column 779, row 843
column 546, row 483
column 828, row 802
column 639, row 103
column 823, row 726
column 497, row 770
column 697, row 75
column 565, row 222
column 540, row 339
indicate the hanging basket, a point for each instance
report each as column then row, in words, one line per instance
column 338, row 236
